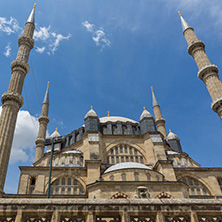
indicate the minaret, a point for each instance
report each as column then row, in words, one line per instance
column 208, row 72
column 160, row 121
column 43, row 121
column 12, row 99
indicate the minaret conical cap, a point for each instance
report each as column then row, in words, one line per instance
column 46, row 98
column 172, row 136
column 31, row 18
column 184, row 24
column 90, row 113
column 155, row 103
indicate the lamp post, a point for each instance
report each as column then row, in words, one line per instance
column 52, row 141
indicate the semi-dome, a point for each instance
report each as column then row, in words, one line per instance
column 116, row 119
column 91, row 113
column 145, row 114
column 172, row 136
column 127, row 165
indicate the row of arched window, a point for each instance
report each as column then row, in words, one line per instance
column 124, row 153
column 136, row 177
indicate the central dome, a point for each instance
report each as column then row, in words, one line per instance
column 116, row 119
column 127, row 165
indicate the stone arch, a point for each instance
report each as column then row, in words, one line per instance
column 119, row 195
column 118, row 142
column 80, row 183
column 164, row 195
column 195, row 177
column 196, row 187
column 122, row 152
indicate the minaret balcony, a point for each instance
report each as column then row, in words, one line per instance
column 194, row 46
column 207, row 71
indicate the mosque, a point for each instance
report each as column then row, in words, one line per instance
column 112, row 168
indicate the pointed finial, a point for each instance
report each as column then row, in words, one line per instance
column 91, row 107
column 170, row 130
column 184, row 24
column 46, row 98
column 144, row 107
column 155, row 103
column 108, row 113
column 31, row 18
column 56, row 129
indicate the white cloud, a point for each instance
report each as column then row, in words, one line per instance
column 24, row 137
column 89, row 27
column 42, row 34
column 98, row 34
column 7, row 50
column 49, row 39
column 9, row 26
column 40, row 50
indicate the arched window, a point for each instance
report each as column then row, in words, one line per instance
column 148, row 177
column 196, row 187
column 124, row 153
column 67, row 186
column 32, row 185
column 219, row 179
column 136, row 176
column 123, row 177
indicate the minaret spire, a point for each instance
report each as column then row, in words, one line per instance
column 31, row 18
column 43, row 121
column 184, row 24
column 12, row 99
column 160, row 121
column 208, row 72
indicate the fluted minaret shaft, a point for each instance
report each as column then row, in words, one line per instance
column 208, row 72
column 160, row 121
column 12, row 99
column 43, row 121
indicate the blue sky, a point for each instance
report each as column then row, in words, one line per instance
column 108, row 54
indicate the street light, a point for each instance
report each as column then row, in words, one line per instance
column 52, row 141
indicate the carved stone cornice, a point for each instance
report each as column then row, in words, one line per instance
column 194, row 46
column 216, row 105
column 160, row 122
column 23, row 40
column 40, row 142
column 44, row 119
column 12, row 96
column 19, row 66
column 207, row 71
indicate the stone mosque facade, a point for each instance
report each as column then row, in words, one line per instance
column 112, row 168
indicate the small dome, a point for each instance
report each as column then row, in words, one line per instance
column 172, row 136
column 127, row 165
column 144, row 114
column 91, row 113
column 55, row 134
column 115, row 119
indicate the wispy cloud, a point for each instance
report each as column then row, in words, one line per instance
column 9, row 26
column 49, row 39
column 98, row 35
column 40, row 50
column 7, row 50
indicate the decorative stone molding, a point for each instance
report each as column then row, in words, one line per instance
column 12, row 96
column 119, row 195
column 44, row 119
column 164, row 195
column 194, row 46
column 19, row 66
column 23, row 40
column 207, row 71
